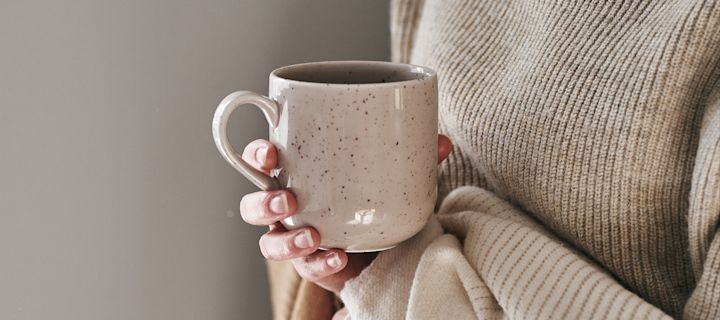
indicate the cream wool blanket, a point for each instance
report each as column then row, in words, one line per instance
column 510, row 267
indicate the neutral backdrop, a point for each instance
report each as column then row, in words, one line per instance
column 114, row 203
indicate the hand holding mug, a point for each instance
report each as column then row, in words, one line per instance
column 330, row 268
column 356, row 143
column 351, row 165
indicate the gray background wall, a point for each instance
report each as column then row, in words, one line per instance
column 114, row 203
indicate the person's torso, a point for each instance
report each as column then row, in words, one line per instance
column 584, row 115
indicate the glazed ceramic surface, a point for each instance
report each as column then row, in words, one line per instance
column 357, row 145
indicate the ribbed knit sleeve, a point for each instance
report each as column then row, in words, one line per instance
column 704, row 217
column 404, row 15
column 592, row 117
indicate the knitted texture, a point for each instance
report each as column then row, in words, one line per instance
column 595, row 119
column 509, row 267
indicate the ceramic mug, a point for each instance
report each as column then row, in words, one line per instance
column 357, row 145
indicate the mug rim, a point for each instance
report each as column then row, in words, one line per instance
column 428, row 73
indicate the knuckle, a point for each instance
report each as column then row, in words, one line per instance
column 244, row 207
column 306, row 270
column 243, row 201
column 276, row 247
column 305, row 261
column 246, row 216
column 261, row 244
column 267, row 196
column 254, row 207
column 286, row 248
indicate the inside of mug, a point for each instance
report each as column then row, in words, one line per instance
column 352, row 72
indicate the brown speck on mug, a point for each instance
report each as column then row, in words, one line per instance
column 308, row 156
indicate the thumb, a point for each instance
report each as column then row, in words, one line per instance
column 444, row 147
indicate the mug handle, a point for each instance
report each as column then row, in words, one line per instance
column 219, row 130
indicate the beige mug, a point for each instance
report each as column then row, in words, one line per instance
column 357, row 145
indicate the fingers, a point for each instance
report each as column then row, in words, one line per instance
column 320, row 269
column 341, row 314
column 267, row 207
column 444, row 147
column 279, row 244
column 261, row 155
column 357, row 262
column 320, row 264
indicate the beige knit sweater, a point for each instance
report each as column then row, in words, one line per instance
column 590, row 134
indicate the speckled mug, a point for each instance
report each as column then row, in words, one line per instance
column 357, row 144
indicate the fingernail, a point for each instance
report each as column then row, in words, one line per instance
column 261, row 154
column 303, row 240
column 333, row 260
column 279, row 203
